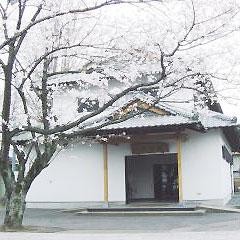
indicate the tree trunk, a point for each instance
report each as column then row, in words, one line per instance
column 15, row 207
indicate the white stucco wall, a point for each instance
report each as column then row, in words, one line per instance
column 206, row 175
column 116, row 171
column 76, row 174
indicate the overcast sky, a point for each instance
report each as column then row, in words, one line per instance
column 229, row 63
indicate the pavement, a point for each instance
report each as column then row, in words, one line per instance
column 58, row 224
column 223, row 235
column 58, row 220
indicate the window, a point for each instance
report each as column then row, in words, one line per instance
column 226, row 155
column 87, row 104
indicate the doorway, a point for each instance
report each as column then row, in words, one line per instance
column 151, row 177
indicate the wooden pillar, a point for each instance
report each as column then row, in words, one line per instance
column 179, row 156
column 105, row 170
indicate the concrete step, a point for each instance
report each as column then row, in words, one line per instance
column 134, row 209
column 142, row 211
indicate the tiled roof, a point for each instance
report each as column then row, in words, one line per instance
column 177, row 116
column 211, row 119
column 151, row 121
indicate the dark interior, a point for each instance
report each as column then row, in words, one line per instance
column 151, row 177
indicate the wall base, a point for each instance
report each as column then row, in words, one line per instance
column 210, row 202
column 102, row 204
column 71, row 205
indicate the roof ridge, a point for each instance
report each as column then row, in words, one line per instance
column 222, row 116
column 180, row 111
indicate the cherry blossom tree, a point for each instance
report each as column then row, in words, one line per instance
column 98, row 53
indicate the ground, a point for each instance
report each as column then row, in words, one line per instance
column 69, row 221
column 70, row 226
column 124, row 236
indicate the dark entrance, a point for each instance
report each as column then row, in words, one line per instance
column 165, row 182
column 151, row 177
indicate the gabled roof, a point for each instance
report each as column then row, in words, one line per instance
column 173, row 117
column 145, row 120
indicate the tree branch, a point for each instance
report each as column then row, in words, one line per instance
column 187, row 33
column 33, row 23
column 23, row 35
column 40, row 59
column 71, row 125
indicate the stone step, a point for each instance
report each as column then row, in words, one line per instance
column 163, row 211
column 133, row 209
column 144, row 213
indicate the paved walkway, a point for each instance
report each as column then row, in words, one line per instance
column 62, row 221
column 124, row 236
column 66, row 225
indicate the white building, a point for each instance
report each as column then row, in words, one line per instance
column 167, row 153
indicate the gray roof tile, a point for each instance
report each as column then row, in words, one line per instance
column 178, row 116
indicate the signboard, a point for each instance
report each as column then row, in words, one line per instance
column 141, row 148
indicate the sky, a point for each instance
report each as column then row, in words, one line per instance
column 225, row 63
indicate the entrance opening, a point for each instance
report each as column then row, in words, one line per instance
column 151, row 177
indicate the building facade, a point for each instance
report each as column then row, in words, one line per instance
column 167, row 155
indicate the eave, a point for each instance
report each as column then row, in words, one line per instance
column 144, row 130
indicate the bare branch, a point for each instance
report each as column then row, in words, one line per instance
column 2, row 64
column 187, row 33
column 35, row 22
column 4, row 17
column 23, row 35
column 25, row 107
column 91, row 130
column 64, row 72
column 71, row 125
column 44, row 56
column 21, row 8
